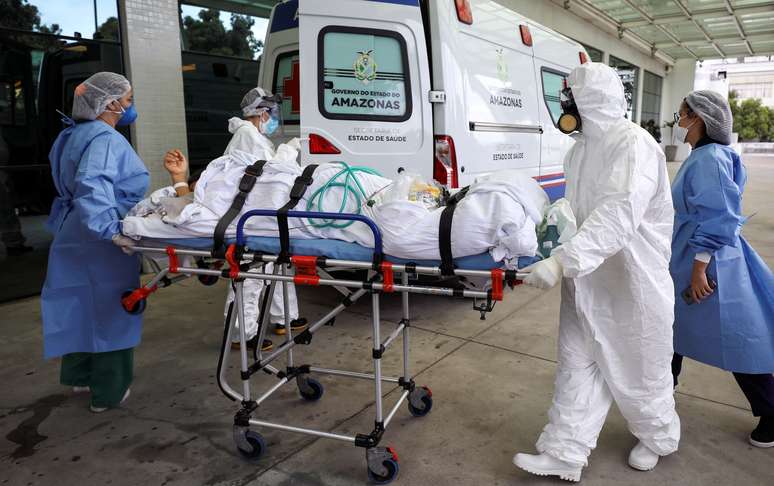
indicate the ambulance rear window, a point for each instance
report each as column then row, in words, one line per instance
column 553, row 81
column 287, row 83
column 363, row 75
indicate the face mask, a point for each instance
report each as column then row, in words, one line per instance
column 570, row 120
column 269, row 126
column 128, row 117
column 682, row 132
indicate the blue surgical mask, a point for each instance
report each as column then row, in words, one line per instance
column 269, row 126
column 129, row 116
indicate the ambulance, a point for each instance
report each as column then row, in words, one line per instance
column 448, row 89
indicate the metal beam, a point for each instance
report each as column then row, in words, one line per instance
column 699, row 14
column 663, row 29
column 614, row 26
column 698, row 26
column 762, row 36
column 739, row 27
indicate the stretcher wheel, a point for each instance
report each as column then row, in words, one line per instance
column 423, row 395
column 208, row 280
column 392, row 472
column 258, row 446
column 138, row 308
column 313, row 390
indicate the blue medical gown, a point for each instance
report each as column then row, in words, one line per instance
column 99, row 177
column 732, row 329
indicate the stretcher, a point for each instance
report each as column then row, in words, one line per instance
column 308, row 262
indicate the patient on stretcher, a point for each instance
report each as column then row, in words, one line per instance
column 498, row 215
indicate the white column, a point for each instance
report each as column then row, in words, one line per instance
column 151, row 42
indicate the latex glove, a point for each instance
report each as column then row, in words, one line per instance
column 544, row 274
column 125, row 243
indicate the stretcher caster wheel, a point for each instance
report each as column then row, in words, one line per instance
column 208, row 280
column 258, row 446
column 138, row 307
column 420, row 401
column 383, row 465
column 310, row 389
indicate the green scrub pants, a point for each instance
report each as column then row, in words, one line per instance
column 108, row 375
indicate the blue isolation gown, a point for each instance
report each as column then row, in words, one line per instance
column 732, row 329
column 98, row 177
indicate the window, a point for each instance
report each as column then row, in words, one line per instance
column 595, row 55
column 553, row 82
column 363, row 75
column 287, row 83
column 629, row 74
column 651, row 98
column 752, row 90
column 220, row 32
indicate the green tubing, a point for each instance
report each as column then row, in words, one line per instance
column 350, row 184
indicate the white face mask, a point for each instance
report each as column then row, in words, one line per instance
column 682, row 132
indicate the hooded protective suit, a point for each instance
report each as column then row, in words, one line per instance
column 615, row 332
column 247, row 138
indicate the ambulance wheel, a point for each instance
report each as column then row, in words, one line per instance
column 392, row 472
column 258, row 446
column 426, row 397
column 138, row 308
column 314, row 392
column 208, row 280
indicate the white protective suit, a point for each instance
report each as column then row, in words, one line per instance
column 247, row 138
column 615, row 331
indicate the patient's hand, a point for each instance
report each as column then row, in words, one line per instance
column 177, row 165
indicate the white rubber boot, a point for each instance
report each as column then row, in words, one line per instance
column 642, row 458
column 545, row 465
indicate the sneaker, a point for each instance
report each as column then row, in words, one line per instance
column 642, row 459
column 102, row 409
column 545, row 465
column 81, row 389
column 763, row 435
column 296, row 326
column 267, row 345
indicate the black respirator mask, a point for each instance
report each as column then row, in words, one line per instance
column 570, row 120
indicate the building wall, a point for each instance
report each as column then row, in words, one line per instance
column 151, row 33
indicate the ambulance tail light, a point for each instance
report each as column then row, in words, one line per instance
column 526, row 35
column 464, row 13
column 445, row 162
column 582, row 57
column 321, row 146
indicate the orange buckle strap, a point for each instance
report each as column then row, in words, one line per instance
column 233, row 264
column 497, row 284
column 173, row 263
column 136, row 296
column 306, row 270
column 388, row 277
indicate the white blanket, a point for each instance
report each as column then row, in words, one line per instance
column 496, row 216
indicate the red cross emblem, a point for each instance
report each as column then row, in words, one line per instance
column 291, row 88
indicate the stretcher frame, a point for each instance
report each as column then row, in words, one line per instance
column 382, row 462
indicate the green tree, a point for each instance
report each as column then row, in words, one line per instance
column 19, row 14
column 208, row 34
column 108, row 29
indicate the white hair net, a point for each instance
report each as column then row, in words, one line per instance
column 713, row 109
column 255, row 102
column 93, row 95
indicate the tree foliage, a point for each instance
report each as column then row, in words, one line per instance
column 752, row 120
column 19, row 14
column 208, row 34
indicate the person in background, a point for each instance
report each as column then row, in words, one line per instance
column 724, row 308
column 98, row 178
column 615, row 324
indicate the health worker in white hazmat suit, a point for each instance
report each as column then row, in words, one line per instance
column 617, row 309
column 262, row 119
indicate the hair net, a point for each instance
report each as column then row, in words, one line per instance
column 93, row 95
column 713, row 109
column 256, row 101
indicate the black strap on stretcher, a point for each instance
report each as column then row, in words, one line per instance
column 297, row 192
column 246, row 184
column 444, row 232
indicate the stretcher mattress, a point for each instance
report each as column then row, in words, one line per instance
column 334, row 249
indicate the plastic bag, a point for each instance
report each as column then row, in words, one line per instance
column 557, row 227
column 412, row 187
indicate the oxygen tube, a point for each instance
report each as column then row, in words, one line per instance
column 350, row 184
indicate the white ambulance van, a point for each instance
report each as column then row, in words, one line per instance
column 449, row 89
